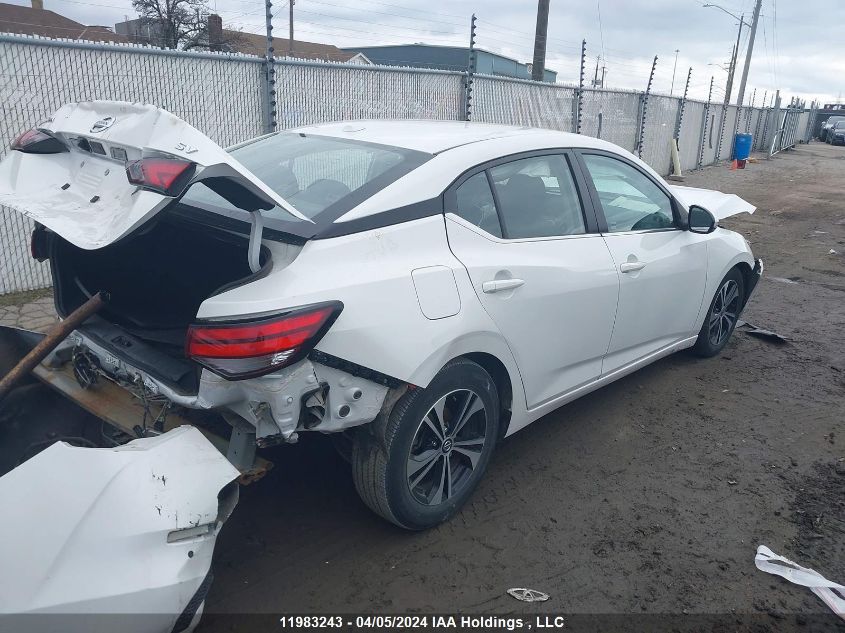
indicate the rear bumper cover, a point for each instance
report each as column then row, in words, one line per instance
column 120, row 531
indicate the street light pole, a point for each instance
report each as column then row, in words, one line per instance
column 735, row 54
column 745, row 68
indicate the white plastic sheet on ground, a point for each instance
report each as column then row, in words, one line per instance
column 831, row 593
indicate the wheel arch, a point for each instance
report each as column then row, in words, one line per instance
column 504, row 385
column 725, row 253
column 747, row 279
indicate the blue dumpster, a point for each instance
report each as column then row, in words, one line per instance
column 742, row 146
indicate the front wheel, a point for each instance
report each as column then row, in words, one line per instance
column 722, row 316
column 420, row 464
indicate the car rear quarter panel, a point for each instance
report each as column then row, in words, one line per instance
column 382, row 326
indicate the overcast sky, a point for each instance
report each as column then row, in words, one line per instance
column 796, row 49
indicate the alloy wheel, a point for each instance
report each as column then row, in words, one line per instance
column 447, row 447
column 724, row 314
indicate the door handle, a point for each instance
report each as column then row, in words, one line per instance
column 629, row 267
column 499, row 285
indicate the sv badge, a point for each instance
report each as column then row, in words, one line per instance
column 182, row 147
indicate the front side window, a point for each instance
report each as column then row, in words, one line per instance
column 629, row 199
column 537, row 198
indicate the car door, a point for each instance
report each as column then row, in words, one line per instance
column 662, row 266
column 538, row 266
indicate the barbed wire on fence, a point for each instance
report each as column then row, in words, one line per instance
column 222, row 94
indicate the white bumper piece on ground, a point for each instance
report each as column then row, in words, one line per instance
column 112, row 539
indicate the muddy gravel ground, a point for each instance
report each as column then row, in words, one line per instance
column 649, row 496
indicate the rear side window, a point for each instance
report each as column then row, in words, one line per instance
column 629, row 199
column 476, row 205
column 322, row 177
column 537, row 198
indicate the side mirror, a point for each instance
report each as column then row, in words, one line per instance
column 701, row 220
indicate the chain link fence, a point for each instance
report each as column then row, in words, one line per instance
column 222, row 95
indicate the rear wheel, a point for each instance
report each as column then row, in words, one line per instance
column 420, row 464
column 722, row 316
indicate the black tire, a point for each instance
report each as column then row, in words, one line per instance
column 387, row 459
column 709, row 343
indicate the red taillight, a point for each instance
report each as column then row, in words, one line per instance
column 37, row 142
column 164, row 175
column 245, row 350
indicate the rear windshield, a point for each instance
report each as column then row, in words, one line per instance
column 321, row 177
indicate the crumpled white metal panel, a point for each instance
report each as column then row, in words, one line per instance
column 86, row 531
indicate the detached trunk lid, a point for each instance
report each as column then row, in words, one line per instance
column 84, row 194
column 721, row 205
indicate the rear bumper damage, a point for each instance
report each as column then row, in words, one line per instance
column 116, row 532
column 306, row 396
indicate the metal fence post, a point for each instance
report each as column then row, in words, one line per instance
column 811, row 121
column 750, row 111
column 269, row 73
column 702, row 136
column 679, row 119
column 471, row 64
column 580, row 102
column 775, row 114
column 721, row 132
column 757, row 140
column 644, row 108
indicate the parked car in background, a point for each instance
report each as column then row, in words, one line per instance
column 424, row 287
column 828, row 125
column 836, row 135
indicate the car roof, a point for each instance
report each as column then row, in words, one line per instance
column 434, row 137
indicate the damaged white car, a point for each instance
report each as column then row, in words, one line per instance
column 423, row 288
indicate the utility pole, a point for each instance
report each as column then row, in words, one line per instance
column 290, row 29
column 745, row 68
column 538, row 68
column 734, row 59
column 674, row 68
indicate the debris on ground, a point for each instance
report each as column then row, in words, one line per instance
column 768, row 335
column 528, row 595
column 831, row 593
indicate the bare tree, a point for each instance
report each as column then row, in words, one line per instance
column 179, row 24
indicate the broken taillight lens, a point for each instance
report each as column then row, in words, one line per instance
column 168, row 176
column 39, row 245
column 245, row 350
column 37, row 142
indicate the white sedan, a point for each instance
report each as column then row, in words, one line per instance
column 420, row 288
